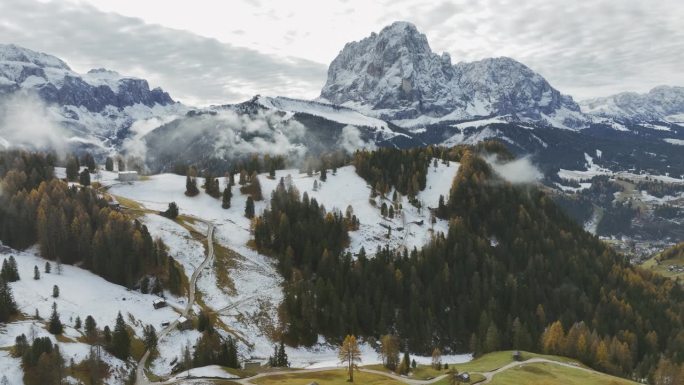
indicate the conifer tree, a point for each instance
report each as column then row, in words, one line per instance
column 72, row 168
column 191, row 186
column 48, row 267
column 84, row 178
column 324, row 174
column 283, row 360
column 150, row 337
column 109, row 164
column 121, row 340
column 227, row 195
column 249, row 208
column 90, row 329
column 8, row 306
column 36, row 273
column 77, row 323
column 55, row 291
column 89, row 162
column 171, row 212
column 13, row 275
column 55, row 324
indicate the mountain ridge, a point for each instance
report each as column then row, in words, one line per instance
column 395, row 75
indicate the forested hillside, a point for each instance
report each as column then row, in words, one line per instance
column 511, row 265
column 74, row 225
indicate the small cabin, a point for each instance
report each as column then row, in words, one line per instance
column 114, row 205
column 159, row 303
column 128, row 176
column 252, row 365
column 165, row 324
column 184, row 323
column 517, row 356
column 463, row 377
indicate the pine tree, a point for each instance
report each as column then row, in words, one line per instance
column 90, row 329
column 324, row 174
column 283, row 360
column 121, row 340
column 84, row 178
column 48, row 267
column 249, row 208
column 109, row 164
column 72, row 168
column 13, row 275
column 8, row 306
column 55, row 291
column 227, row 195
column 171, row 212
column 55, row 324
column 77, row 323
column 191, row 186
column 89, row 162
column 36, row 273
column 150, row 337
column 107, row 334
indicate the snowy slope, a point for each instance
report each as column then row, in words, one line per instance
column 256, row 281
column 329, row 111
column 81, row 294
column 658, row 104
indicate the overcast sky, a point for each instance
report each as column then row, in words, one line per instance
column 208, row 51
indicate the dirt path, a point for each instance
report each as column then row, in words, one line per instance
column 141, row 378
column 490, row 375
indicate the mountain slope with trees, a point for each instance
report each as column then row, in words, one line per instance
column 512, row 268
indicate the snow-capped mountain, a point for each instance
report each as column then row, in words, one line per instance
column 394, row 75
column 663, row 103
column 95, row 109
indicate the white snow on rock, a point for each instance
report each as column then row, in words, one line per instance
column 678, row 142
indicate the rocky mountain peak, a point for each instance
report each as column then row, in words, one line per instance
column 395, row 75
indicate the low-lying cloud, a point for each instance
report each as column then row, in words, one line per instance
column 518, row 171
column 26, row 122
column 350, row 140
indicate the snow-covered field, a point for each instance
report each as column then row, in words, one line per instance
column 594, row 169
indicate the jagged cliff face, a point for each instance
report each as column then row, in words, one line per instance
column 395, row 75
column 660, row 103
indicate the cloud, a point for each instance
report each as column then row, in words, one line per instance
column 194, row 69
column 517, row 171
column 350, row 140
column 584, row 48
column 26, row 122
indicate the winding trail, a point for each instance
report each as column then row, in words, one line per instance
column 141, row 378
column 490, row 375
